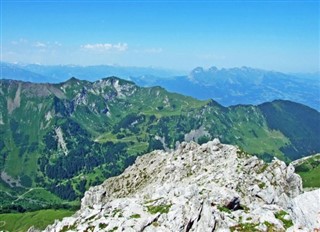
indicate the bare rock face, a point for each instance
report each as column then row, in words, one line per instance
column 212, row 187
column 305, row 211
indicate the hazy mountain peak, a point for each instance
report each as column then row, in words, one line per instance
column 198, row 70
column 213, row 69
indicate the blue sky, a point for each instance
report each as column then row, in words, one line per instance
column 276, row 35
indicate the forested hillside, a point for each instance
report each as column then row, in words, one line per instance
column 59, row 139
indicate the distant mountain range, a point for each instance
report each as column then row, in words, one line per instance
column 60, row 139
column 242, row 86
column 227, row 86
column 59, row 73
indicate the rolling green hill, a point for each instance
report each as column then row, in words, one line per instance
column 59, row 139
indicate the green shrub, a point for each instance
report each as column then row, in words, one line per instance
column 158, row 209
column 245, row 227
column 224, row 209
column 135, row 216
column 280, row 215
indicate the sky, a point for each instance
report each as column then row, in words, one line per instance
column 277, row 35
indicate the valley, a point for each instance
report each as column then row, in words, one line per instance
column 159, row 116
column 57, row 140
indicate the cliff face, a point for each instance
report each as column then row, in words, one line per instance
column 197, row 188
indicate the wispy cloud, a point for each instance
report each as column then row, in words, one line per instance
column 32, row 51
column 35, row 44
column 19, row 41
column 40, row 45
column 105, row 47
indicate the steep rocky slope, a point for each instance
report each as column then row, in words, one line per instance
column 212, row 187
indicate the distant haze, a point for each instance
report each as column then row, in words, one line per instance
column 232, row 86
column 180, row 35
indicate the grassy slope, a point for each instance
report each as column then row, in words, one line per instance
column 311, row 179
column 297, row 122
column 158, row 112
column 31, row 199
column 309, row 170
column 16, row 222
column 251, row 132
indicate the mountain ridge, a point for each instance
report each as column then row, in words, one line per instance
column 69, row 136
column 228, row 86
column 246, row 86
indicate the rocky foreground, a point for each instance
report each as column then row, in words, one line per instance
column 212, row 187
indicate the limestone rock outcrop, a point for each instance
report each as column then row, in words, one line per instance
column 209, row 187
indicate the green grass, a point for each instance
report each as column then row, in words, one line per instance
column 135, row 216
column 31, row 200
column 14, row 161
column 245, row 227
column 262, row 169
column 262, row 185
column 280, row 215
column 222, row 208
column 19, row 222
column 270, row 226
column 268, row 141
column 309, row 170
column 138, row 148
column 158, row 209
column 40, row 196
column 157, row 112
column 311, row 178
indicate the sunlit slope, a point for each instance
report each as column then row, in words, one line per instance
column 69, row 136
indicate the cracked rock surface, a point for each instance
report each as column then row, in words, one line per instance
column 209, row 187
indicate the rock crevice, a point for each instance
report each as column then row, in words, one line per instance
column 211, row 187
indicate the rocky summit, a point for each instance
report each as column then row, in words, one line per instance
column 208, row 187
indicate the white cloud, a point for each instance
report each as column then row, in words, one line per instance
column 40, row 45
column 104, row 47
column 121, row 47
